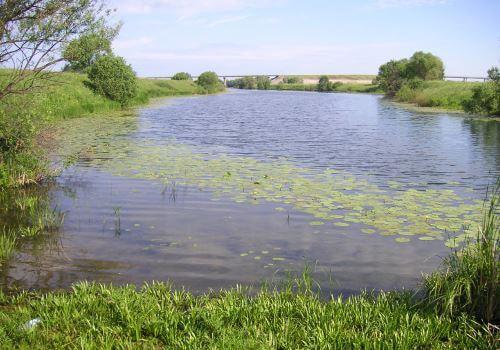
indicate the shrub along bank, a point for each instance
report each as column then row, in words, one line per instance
column 419, row 80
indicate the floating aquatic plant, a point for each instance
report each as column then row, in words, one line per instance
column 394, row 209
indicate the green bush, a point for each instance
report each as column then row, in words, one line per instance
column 324, row 84
column 112, row 77
column 20, row 163
column 263, row 82
column 210, row 82
column 182, row 76
column 292, row 80
column 486, row 97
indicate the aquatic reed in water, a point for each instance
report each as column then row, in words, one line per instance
column 470, row 280
column 7, row 244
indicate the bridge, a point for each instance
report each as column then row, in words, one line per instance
column 465, row 79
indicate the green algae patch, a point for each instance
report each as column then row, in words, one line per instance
column 328, row 196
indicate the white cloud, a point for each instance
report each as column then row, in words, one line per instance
column 132, row 43
column 407, row 3
column 187, row 8
column 228, row 19
column 220, row 53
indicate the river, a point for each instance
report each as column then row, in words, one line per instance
column 238, row 188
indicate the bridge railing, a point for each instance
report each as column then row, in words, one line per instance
column 465, row 79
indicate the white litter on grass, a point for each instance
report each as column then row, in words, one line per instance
column 32, row 323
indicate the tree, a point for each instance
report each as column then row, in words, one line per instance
column 113, row 78
column 182, row 76
column 263, row 82
column 248, row 83
column 425, row 66
column 85, row 50
column 210, row 82
column 33, row 33
column 324, row 84
column 391, row 76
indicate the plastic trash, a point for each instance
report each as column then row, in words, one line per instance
column 32, row 323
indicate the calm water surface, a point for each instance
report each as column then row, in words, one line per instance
column 125, row 226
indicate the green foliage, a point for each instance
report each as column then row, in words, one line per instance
column 182, row 76
column 110, row 76
column 23, row 117
column 439, row 94
column 485, row 98
column 263, row 82
column 395, row 74
column 425, row 66
column 33, row 35
column 470, row 282
column 24, row 213
column 7, row 245
column 210, row 82
column 248, row 83
column 292, row 80
column 83, row 51
column 324, row 84
column 294, row 317
column 391, row 76
column 20, row 163
column 294, row 87
column 260, row 82
column 333, row 87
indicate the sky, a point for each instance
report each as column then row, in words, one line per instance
column 162, row 37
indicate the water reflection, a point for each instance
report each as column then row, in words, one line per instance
column 200, row 237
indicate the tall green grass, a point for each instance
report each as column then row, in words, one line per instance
column 69, row 97
column 25, row 213
column 7, row 244
column 470, row 281
column 442, row 94
column 95, row 316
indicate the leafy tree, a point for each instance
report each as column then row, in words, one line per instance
column 263, row 82
column 391, row 76
column 324, row 84
column 486, row 97
column 210, row 82
column 112, row 77
column 86, row 49
column 248, row 83
column 33, row 33
column 425, row 66
column 182, row 76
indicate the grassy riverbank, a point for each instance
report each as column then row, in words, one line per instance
column 341, row 87
column 446, row 95
column 69, row 97
column 104, row 317
column 439, row 95
column 24, row 117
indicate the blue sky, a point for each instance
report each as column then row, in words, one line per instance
column 161, row 37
